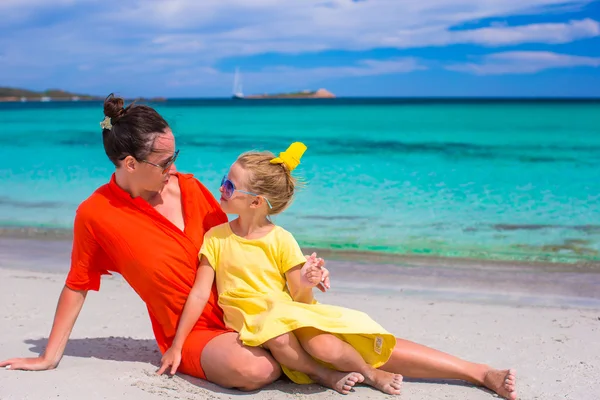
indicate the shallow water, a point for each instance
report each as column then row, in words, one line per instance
column 495, row 180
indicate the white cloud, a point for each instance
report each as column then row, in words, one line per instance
column 503, row 35
column 524, row 62
column 498, row 34
column 283, row 75
column 31, row 6
column 213, row 29
column 17, row 11
column 115, row 41
column 237, row 28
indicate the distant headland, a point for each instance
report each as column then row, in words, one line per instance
column 24, row 95
column 14, row 94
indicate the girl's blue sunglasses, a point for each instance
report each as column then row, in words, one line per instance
column 229, row 189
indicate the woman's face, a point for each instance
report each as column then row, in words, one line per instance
column 153, row 172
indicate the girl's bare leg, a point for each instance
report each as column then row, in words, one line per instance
column 287, row 351
column 329, row 348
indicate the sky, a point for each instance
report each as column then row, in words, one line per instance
column 414, row 48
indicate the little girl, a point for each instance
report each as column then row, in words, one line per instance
column 265, row 287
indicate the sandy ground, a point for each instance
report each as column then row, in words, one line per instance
column 111, row 354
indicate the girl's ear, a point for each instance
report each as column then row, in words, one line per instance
column 256, row 202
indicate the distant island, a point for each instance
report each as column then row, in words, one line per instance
column 238, row 93
column 305, row 94
column 15, row 94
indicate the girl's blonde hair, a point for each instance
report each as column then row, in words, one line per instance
column 273, row 181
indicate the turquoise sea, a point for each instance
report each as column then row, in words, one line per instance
column 511, row 180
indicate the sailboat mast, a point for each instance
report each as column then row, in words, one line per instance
column 237, row 84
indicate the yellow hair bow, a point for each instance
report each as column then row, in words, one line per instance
column 291, row 157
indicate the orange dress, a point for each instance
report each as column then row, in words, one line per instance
column 114, row 232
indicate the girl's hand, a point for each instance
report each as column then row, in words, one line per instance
column 171, row 358
column 314, row 274
column 28, row 364
column 311, row 272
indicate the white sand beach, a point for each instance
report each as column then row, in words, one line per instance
column 112, row 354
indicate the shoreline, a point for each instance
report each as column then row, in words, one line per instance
column 359, row 256
column 470, row 281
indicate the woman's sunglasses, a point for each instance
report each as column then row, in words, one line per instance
column 166, row 165
column 229, row 189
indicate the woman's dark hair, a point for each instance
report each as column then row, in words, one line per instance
column 130, row 130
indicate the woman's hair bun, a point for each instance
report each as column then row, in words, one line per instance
column 113, row 107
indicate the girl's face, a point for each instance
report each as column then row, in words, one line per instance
column 235, row 196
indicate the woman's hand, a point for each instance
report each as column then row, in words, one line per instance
column 324, row 285
column 28, row 364
column 67, row 310
column 171, row 358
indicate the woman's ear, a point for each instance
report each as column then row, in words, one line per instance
column 129, row 163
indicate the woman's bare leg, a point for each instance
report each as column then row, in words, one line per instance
column 417, row 361
column 228, row 363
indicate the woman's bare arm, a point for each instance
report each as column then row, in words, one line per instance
column 69, row 305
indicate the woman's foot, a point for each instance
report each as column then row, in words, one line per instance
column 502, row 382
column 385, row 381
column 341, row 382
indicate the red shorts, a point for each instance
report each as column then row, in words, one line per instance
column 192, row 351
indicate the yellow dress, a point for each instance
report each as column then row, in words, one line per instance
column 250, row 276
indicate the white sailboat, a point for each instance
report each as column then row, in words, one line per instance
column 237, row 85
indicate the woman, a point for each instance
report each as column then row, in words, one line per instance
column 148, row 225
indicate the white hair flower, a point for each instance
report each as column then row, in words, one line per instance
column 105, row 124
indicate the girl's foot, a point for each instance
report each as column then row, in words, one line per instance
column 341, row 382
column 502, row 382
